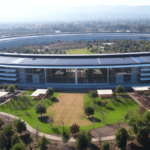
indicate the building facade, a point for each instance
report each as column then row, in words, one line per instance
column 75, row 71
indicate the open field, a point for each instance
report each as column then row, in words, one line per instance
column 79, row 51
column 69, row 109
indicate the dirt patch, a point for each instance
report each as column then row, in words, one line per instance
column 69, row 109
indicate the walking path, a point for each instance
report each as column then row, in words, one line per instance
column 52, row 137
column 132, row 95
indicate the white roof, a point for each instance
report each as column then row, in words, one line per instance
column 3, row 94
column 104, row 92
column 39, row 91
column 140, row 88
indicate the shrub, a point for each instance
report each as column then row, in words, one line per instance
column 40, row 108
column 20, row 125
column 50, row 92
column 42, row 142
column 53, row 99
column 3, row 140
column 16, row 86
column 74, row 129
column 83, row 140
column 18, row 146
column 15, row 139
column 120, row 89
column 109, row 108
column 5, row 86
column 11, row 88
column 105, row 146
column 89, row 110
column 1, row 123
column 146, row 115
column 93, row 94
column 8, row 130
column 65, row 136
column 121, row 138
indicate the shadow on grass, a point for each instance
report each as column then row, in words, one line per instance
column 94, row 119
column 56, row 130
column 43, row 119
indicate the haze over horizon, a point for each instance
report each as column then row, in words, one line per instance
column 85, row 10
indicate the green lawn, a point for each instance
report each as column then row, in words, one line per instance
column 79, row 51
column 28, row 92
column 120, row 109
column 112, row 116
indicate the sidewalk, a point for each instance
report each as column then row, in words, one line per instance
column 51, row 137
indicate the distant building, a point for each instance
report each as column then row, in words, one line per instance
column 57, row 31
column 107, row 44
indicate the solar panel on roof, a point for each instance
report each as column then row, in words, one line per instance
column 139, row 59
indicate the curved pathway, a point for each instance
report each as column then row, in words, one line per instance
column 52, row 137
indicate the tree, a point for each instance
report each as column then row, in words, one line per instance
column 40, row 108
column 20, row 125
column 93, row 94
column 1, row 123
column 18, row 146
column 146, row 115
column 121, row 137
column 51, row 120
column 74, row 129
column 143, row 135
column 120, row 89
column 5, row 86
column 15, row 139
column 42, row 142
column 16, row 86
column 105, row 146
column 8, row 130
column 50, row 92
column 30, row 89
column 103, row 114
column 83, row 140
column 130, row 134
column 37, row 131
column 11, row 88
column 3, row 140
column 65, row 136
column 89, row 110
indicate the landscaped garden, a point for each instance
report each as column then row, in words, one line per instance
column 106, row 111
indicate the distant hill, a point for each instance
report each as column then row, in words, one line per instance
column 78, row 13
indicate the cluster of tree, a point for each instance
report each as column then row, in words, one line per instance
column 139, row 129
column 10, row 88
column 9, row 138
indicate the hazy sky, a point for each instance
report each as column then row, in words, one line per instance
column 9, row 9
column 25, row 3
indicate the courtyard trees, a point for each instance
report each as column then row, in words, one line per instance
column 51, row 120
column 16, row 86
column 15, row 139
column 83, row 140
column 74, row 129
column 120, row 89
column 93, row 94
column 89, row 111
column 121, row 137
column 105, row 146
column 3, row 140
column 11, row 88
column 18, row 146
column 1, row 123
column 50, row 92
column 40, row 108
column 5, row 86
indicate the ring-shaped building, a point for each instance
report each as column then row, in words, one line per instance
column 75, row 71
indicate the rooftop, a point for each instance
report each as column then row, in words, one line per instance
column 75, row 60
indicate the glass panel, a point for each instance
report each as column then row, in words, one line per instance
column 60, row 76
column 29, row 78
column 28, row 70
column 89, row 76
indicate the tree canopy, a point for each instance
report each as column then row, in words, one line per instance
column 40, row 108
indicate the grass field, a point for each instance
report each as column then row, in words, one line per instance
column 120, row 107
column 79, row 51
column 69, row 109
